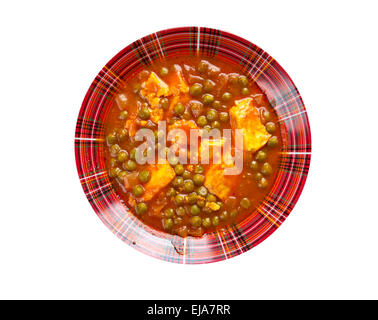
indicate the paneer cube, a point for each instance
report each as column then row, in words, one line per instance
column 244, row 116
column 176, row 81
column 178, row 88
column 211, row 150
column 152, row 89
column 131, row 125
column 161, row 175
column 219, row 184
column 184, row 125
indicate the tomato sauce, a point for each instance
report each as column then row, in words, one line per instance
column 191, row 93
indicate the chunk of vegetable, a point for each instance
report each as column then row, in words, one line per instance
column 152, row 89
column 161, row 175
column 245, row 116
column 219, row 184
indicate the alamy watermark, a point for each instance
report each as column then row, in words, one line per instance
column 203, row 147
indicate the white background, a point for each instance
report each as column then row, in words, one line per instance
column 52, row 245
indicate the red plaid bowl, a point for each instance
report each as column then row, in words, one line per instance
column 294, row 160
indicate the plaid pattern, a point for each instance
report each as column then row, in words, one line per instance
column 294, row 160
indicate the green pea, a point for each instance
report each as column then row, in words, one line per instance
column 180, row 211
column 223, row 116
column 188, row 186
column 215, row 221
column 123, row 115
column 130, row 165
column 122, row 156
column 144, row 113
column 195, row 221
column 164, row 103
column 122, row 134
column 217, row 104
column 203, row 66
column 258, row 176
column 195, row 90
column 169, row 213
column 212, row 115
column 245, row 203
column 243, row 81
column 178, row 182
column 223, row 216
column 211, row 198
column 245, row 91
column 233, row 213
column 261, row 156
column 121, row 175
column 215, row 124
column 186, row 174
column 179, row 109
column 114, row 149
column 254, row 165
column 164, row 71
column 144, row 176
column 206, row 222
column 266, row 169
column 198, row 169
column 179, row 199
column 167, row 224
column 202, row 121
column 171, row 192
column 201, row 202
column 202, row 191
column 208, row 85
column 233, row 78
column 267, row 115
column 179, row 169
column 113, row 162
column 198, row 179
column 138, row 190
column 208, row 98
column 195, row 210
column 226, row 96
column 270, row 127
column 192, row 198
column 132, row 153
column 111, row 138
column 272, row 142
column 141, row 208
column 263, row 183
column 114, row 172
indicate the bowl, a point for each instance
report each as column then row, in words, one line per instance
column 294, row 159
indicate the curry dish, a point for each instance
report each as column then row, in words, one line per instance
column 192, row 93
